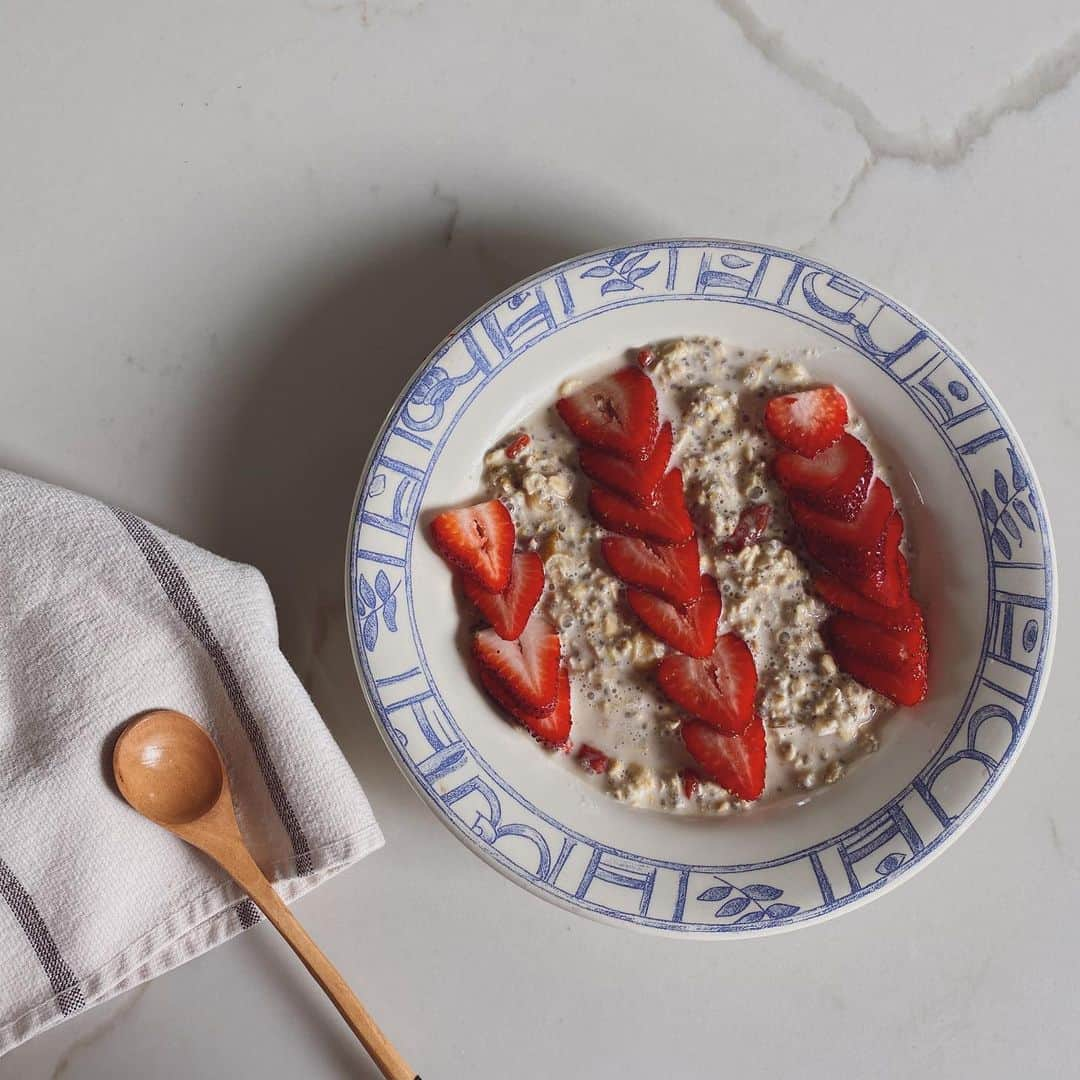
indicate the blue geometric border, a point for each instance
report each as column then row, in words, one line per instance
column 580, row 872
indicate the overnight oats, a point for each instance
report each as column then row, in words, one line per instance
column 694, row 580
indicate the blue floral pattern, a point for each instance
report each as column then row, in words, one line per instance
column 622, row 271
column 756, row 897
column 1000, row 521
column 371, row 602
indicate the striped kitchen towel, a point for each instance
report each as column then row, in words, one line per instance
column 103, row 616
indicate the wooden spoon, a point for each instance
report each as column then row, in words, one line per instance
column 169, row 769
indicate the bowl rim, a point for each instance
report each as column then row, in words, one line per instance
column 864, row 893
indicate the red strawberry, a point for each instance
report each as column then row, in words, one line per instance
column 893, row 650
column 478, row 540
column 904, row 575
column 518, row 445
column 690, row 629
column 617, row 413
column 719, row 689
column 526, row 671
column 890, row 584
column 668, row 522
column 753, row 521
column 904, row 688
column 835, row 593
column 645, row 358
column 509, row 611
column 595, row 761
column 672, row 571
column 861, row 533
column 736, row 762
column 863, row 552
column 637, row 480
column 895, row 668
column 809, row 421
column 552, row 728
column 690, row 779
column 834, row 481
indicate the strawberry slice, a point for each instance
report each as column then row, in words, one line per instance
column 895, row 668
column 863, row 552
column 719, row 689
column 889, row 584
column 509, row 611
column 518, row 446
column 637, row 480
column 736, row 762
column 903, row 688
column 835, row 593
column 552, row 728
column 672, row 571
column 691, row 782
column 593, row 760
column 617, row 413
column 478, row 540
column 668, row 522
column 526, row 671
column 690, row 629
column 835, row 481
column 753, row 521
column 904, row 575
column 892, row 650
column 807, row 422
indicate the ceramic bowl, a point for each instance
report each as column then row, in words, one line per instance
column 985, row 569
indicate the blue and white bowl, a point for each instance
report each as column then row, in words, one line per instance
column 976, row 517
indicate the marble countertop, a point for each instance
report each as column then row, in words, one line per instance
column 210, row 217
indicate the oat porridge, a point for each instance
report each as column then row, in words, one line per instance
column 630, row 688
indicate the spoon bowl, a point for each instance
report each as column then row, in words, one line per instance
column 168, row 768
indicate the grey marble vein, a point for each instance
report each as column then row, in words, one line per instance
column 94, row 1036
column 1047, row 74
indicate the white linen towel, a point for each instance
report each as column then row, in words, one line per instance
column 103, row 616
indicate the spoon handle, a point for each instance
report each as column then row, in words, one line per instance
column 382, row 1051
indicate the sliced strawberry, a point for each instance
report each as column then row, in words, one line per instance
column 690, row 629
column 809, row 421
column 593, row 760
column 667, row 522
column 890, row 585
column 527, row 670
column 861, row 533
column 518, row 445
column 834, row 481
column 691, row 782
column 672, row 571
column 552, row 728
column 904, row 684
column 892, row 650
column 478, row 540
column 735, row 762
column 719, row 689
column 863, row 552
column 617, row 413
column 509, row 611
column 904, row 688
column 835, row 593
column 637, row 480
column 645, row 358
column 753, row 521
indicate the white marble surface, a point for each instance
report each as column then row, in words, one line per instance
column 209, row 217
